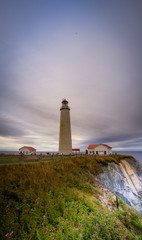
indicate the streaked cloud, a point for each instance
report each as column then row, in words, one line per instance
column 88, row 52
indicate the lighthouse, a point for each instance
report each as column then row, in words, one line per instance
column 65, row 142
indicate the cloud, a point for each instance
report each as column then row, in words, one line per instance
column 9, row 127
column 98, row 70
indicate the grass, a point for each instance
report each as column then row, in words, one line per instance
column 11, row 159
column 59, row 200
column 7, row 159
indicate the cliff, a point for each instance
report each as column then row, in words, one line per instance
column 65, row 199
column 125, row 179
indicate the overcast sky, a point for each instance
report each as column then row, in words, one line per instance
column 87, row 51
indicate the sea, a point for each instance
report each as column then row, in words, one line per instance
column 136, row 154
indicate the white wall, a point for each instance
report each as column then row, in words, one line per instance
column 100, row 149
column 26, row 151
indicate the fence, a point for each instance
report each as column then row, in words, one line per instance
column 20, row 159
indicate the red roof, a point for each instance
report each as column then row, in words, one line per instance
column 95, row 145
column 30, row 148
column 76, row 149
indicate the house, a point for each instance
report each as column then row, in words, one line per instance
column 99, row 149
column 75, row 150
column 26, row 150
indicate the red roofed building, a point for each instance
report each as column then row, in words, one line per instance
column 75, row 150
column 26, row 150
column 99, row 149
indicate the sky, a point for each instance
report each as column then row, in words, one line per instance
column 87, row 51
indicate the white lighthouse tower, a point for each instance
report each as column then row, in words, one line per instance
column 65, row 142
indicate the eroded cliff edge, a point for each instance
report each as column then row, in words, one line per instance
column 125, row 179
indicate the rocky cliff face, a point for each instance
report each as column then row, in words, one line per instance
column 125, row 179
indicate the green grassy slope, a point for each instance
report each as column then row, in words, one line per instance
column 61, row 200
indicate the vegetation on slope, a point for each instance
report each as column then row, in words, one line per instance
column 61, row 200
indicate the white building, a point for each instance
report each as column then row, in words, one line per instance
column 99, row 149
column 26, row 150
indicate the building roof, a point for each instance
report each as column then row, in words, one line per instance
column 95, row 145
column 30, row 148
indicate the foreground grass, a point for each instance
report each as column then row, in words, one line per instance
column 59, row 200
